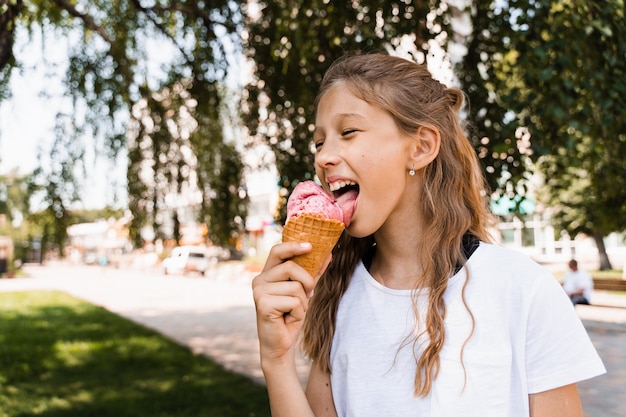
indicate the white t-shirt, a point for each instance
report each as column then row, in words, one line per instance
column 575, row 280
column 527, row 338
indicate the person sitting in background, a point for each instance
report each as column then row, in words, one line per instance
column 578, row 284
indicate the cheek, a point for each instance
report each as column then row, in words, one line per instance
column 387, row 174
column 381, row 174
column 389, row 166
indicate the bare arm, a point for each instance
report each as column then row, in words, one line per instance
column 281, row 298
column 319, row 394
column 287, row 398
column 579, row 291
column 558, row 402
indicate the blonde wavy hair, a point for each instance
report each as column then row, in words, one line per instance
column 454, row 202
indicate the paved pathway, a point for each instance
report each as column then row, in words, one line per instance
column 215, row 316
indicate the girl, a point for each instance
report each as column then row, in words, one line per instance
column 417, row 314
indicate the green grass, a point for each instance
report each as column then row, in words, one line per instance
column 62, row 357
column 611, row 274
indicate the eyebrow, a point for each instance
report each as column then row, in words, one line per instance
column 343, row 116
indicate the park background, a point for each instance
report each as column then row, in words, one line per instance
column 128, row 127
column 190, row 122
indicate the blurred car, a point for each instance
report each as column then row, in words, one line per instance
column 184, row 259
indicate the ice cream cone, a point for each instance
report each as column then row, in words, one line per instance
column 320, row 232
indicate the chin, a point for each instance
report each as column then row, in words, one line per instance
column 358, row 232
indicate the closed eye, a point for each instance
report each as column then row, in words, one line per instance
column 348, row 132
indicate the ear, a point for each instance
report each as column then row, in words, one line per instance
column 425, row 147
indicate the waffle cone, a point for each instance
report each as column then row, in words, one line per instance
column 322, row 233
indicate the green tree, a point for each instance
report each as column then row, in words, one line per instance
column 123, row 53
column 293, row 42
column 92, row 215
column 53, row 187
column 227, row 196
column 13, row 196
column 9, row 11
column 13, row 209
column 547, row 83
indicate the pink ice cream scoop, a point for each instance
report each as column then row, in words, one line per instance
column 308, row 197
column 313, row 216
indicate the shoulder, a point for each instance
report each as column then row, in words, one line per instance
column 504, row 253
column 514, row 282
column 510, row 276
column 501, row 262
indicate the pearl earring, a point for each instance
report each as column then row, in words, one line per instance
column 412, row 170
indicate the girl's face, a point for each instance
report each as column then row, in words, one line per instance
column 364, row 159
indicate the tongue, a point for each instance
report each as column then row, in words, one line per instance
column 347, row 202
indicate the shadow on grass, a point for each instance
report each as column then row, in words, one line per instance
column 62, row 357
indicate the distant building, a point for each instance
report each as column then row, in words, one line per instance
column 262, row 231
column 98, row 242
column 533, row 234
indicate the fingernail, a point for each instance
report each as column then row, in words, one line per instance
column 305, row 245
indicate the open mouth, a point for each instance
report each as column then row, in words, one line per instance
column 340, row 188
column 346, row 194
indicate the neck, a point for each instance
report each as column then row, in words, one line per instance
column 395, row 263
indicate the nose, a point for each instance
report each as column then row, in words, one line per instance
column 329, row 154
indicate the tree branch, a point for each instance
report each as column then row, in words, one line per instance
column 89, row 22
column 149, row 12
column 9, row 11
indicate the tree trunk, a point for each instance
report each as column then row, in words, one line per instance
column 605, row 263
column 8, row 17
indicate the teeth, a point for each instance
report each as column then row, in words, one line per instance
column 337, row 185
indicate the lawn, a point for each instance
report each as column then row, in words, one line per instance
column 63, row 357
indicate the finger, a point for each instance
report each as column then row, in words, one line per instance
column 295, row 315
column 291, row 288
column 284, row 251
column 267, row 292
column 281, row 308
column 285, row 271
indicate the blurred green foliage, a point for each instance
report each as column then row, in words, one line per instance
column 545, row 80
